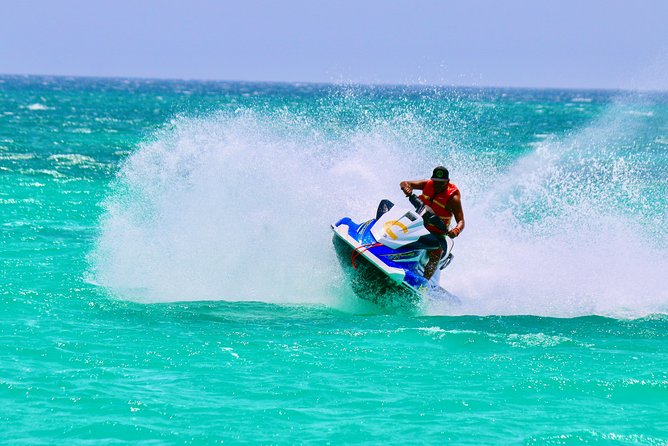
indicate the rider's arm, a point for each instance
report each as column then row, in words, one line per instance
column 408, row 186
column 455, row 204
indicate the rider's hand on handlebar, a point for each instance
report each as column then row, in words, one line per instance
column 407, row 189
column 454, row 232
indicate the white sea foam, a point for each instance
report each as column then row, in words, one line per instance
column 647, row 114
column 38, row 106
column 73, row 159
column 17, row 156
column 82, row 130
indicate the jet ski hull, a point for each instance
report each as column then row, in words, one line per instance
column 377, row 273
column 371, row 283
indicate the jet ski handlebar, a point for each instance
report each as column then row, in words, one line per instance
column 415, row 201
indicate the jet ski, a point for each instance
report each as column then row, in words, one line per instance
column 385, row 257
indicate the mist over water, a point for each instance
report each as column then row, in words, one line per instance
column 575, row 227
column 237, row 206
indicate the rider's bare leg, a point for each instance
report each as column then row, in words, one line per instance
column 432, row 264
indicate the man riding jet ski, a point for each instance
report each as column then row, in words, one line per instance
column 389, row 259
column 444, row 198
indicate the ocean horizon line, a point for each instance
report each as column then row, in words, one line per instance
column 351, row 83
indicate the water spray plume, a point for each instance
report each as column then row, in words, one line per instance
column 237, row 206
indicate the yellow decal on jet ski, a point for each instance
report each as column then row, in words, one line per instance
column 388, row 225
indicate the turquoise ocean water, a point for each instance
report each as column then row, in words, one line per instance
column 167, row 274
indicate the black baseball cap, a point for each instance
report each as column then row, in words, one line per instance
column 440, row 174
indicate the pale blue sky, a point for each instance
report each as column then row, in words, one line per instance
column 560, row 43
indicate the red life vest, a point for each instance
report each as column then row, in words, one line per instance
column 439, row 201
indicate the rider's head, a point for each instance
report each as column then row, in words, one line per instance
column 441, row 177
